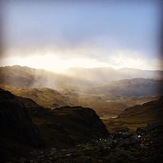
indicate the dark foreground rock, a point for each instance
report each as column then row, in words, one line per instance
column 25, row 126
column 17, row 132
column 67, row 126
column 144, row 146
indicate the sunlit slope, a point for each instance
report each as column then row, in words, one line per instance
column 138, row 116
column 46, row 97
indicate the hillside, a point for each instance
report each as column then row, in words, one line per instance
column 18, row 134
column 25, row 77
column 138, row 116
column 144, row 146
column 66, row 126
column 46, row 97
column 25, row 125
column 106, row 74
column 106, row 106
column 128, row 82
column 63, row 128
column 131, row 87
column 74, row 78
column 91, row 88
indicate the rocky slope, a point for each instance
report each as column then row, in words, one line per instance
column 26, row 125
column 144, row 146
column 76, row 134
column 129, row 141
column 17, row 132
column 66, row 126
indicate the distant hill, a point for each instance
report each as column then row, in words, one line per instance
column 25, row 77
column 107, row 74
column 74, row 78
column 138, row 116
column 46, row 97
column 131, row 87
column 87, row 87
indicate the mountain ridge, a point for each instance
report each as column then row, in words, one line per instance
column 28, row 77
column 25, row 125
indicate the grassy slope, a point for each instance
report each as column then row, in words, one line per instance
column 138, row 116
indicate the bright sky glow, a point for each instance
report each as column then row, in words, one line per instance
column 62, row 34
column 53, row 63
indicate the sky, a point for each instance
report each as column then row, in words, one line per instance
column 57, row 35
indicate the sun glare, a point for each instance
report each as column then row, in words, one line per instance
column 60, row 61
column 53, row 62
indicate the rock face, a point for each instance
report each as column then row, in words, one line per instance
column 85, row 118
column 145, row 145
column 17, row 132
column 23, row 124
column 67, row 126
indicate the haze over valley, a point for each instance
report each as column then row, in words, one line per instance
column 106, row 90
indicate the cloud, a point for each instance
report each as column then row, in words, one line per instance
column 60, row 60
column 113, row 34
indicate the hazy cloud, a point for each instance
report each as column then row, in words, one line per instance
column 103, row 31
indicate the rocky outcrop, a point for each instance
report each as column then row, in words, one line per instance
column 145, row 145
column 24, row 124
column 17, row 131
column 67, row 126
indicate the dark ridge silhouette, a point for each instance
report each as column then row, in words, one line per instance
column 18, row 134
column 25, row 125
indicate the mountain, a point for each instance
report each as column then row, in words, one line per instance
column 87, row 87
column 131, row 87
column 25, row 77
column 138, row 116
column 74, row 78
column 25, row 125
column 106, row 74
column 66, row 126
